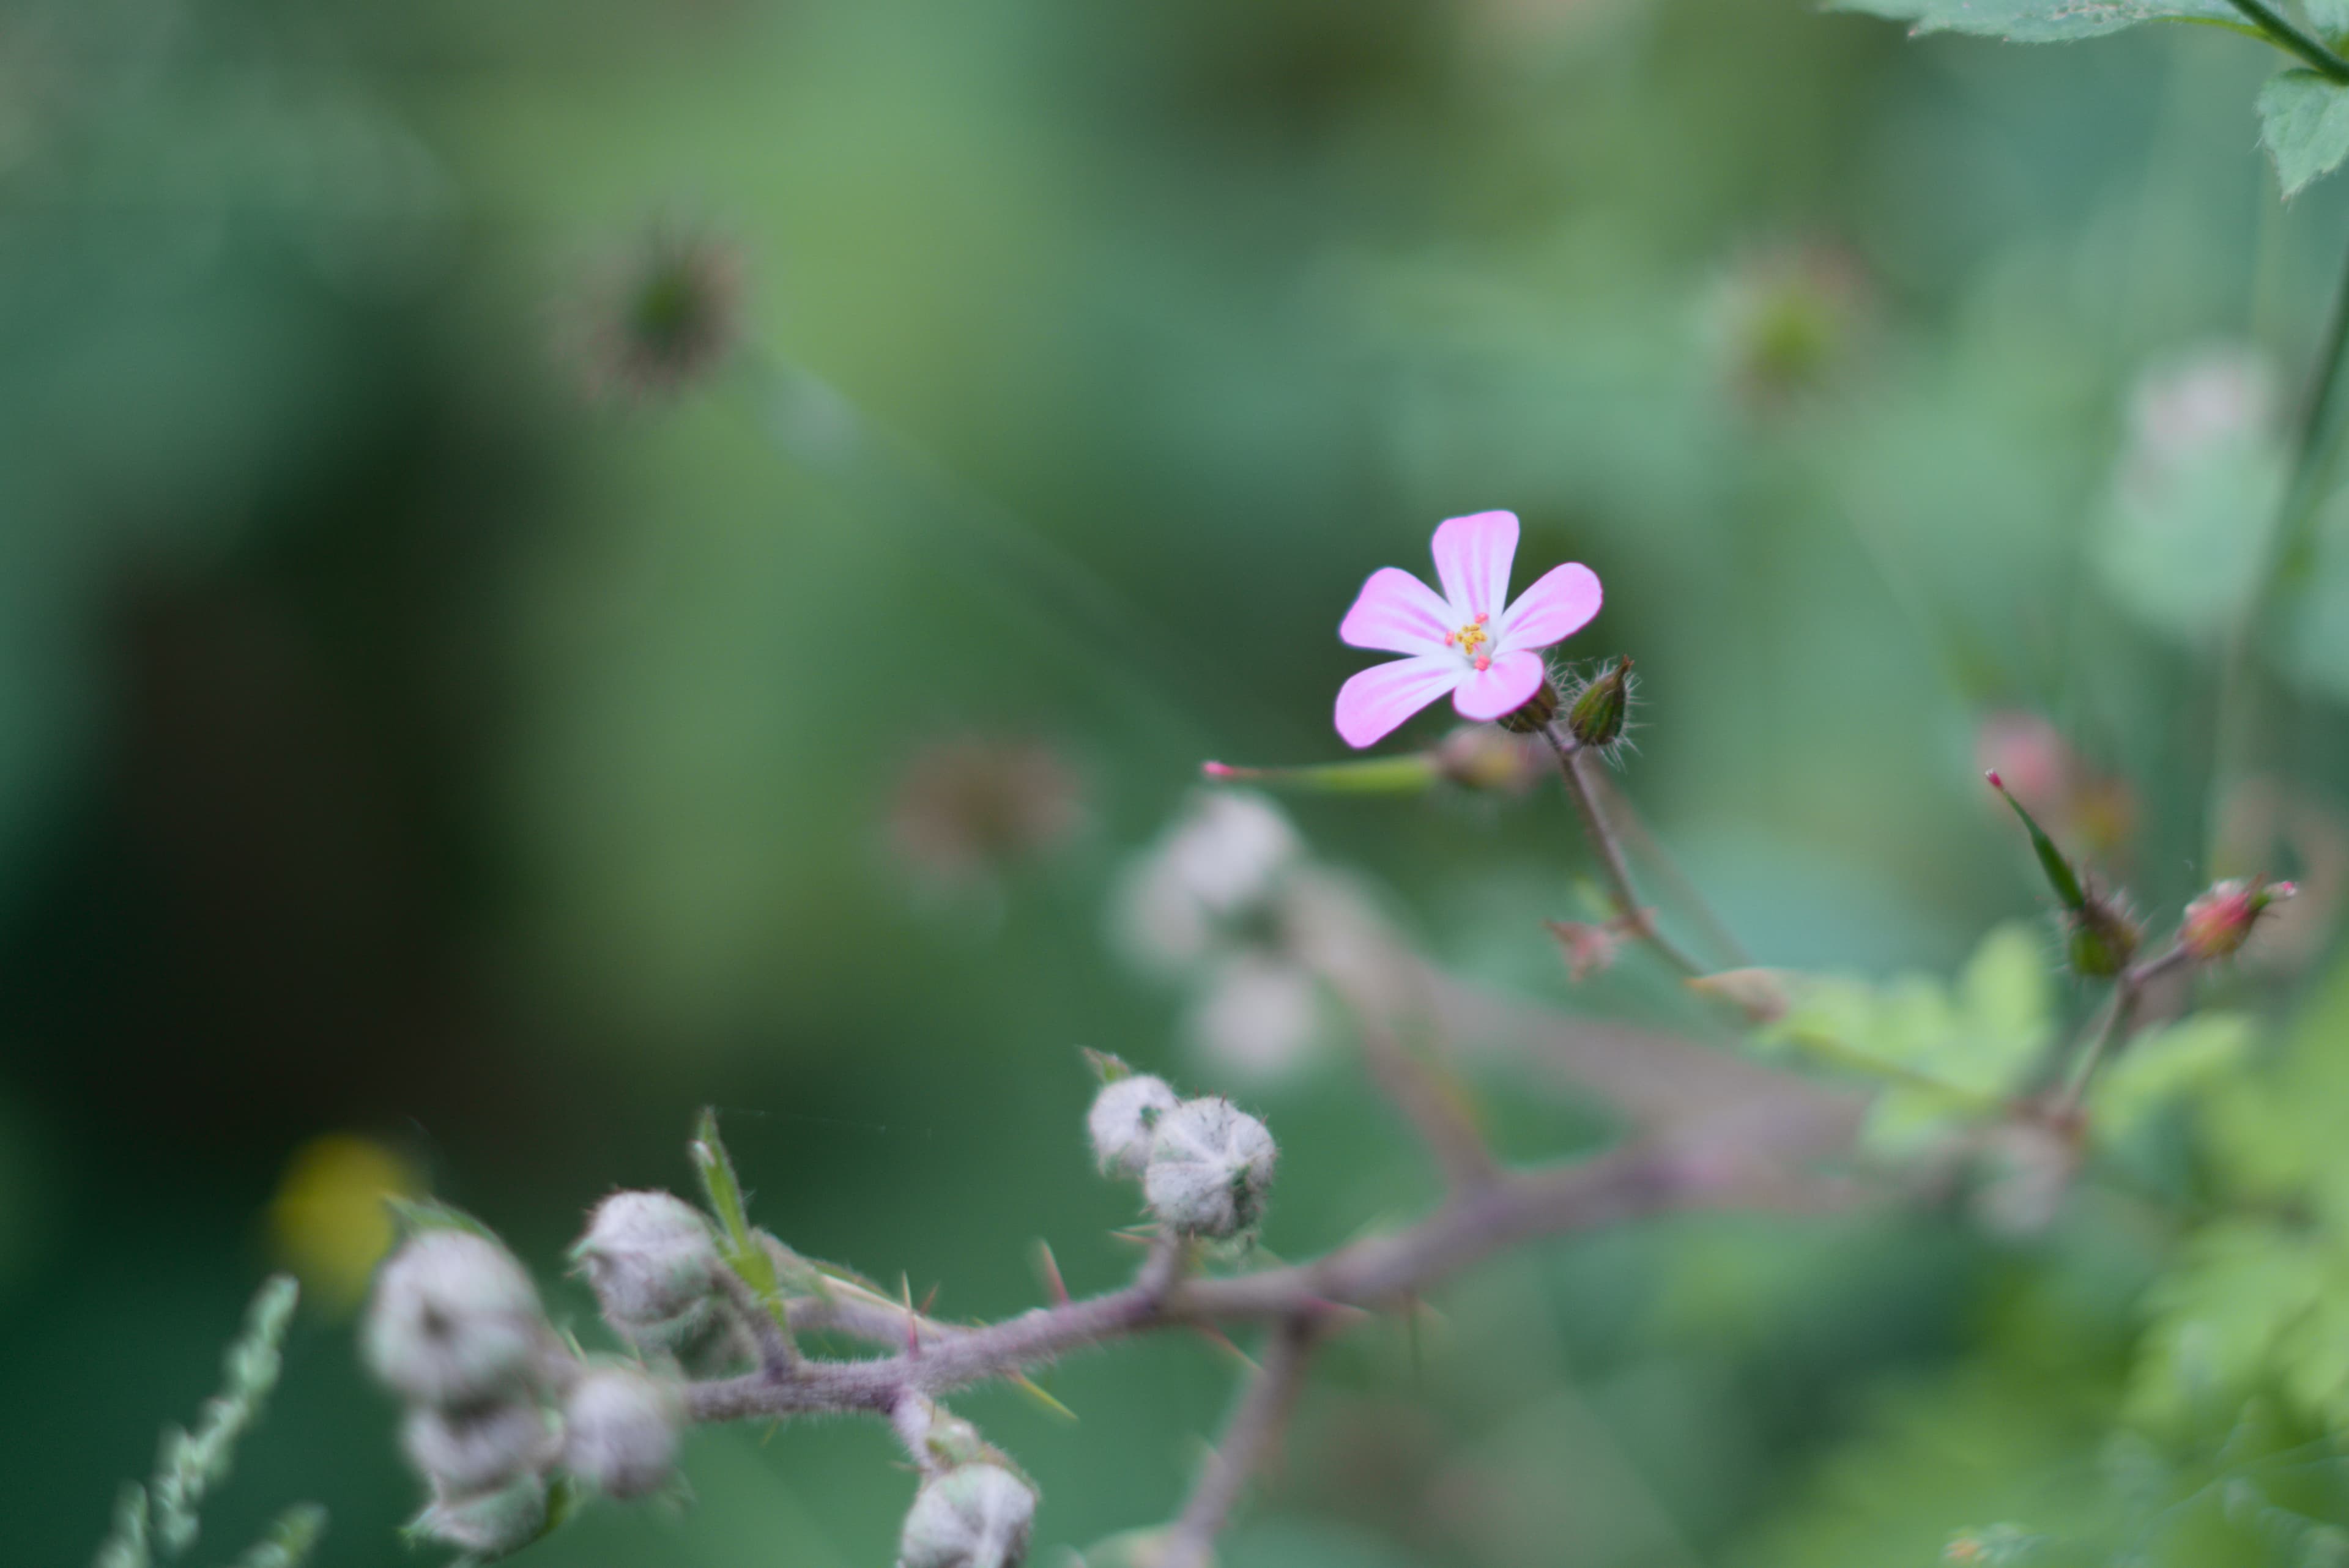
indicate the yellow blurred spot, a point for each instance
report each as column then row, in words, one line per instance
column 328, row 1222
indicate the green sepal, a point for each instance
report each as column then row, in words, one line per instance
column 2060, row 875
column 736, row 1242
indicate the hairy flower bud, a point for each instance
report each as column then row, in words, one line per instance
column 1124, row 1120
column 972, row 1516
column 1537, row 710
column 2100, row 938
column 454, row 1320
column 465, row 1451
column 620, row 1431
column 1210, row 1167
column 1596, row 717
column 486, row 1525
column 2217, row 923
column 651, row 1259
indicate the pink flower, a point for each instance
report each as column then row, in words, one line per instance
column 1468, row 643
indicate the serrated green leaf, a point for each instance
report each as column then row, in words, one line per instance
column 2304, row 125
column 2039, row 21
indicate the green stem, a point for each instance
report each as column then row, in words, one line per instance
column 2287, row 546
column 2280, row 32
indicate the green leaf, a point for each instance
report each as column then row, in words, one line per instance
column 2304, row 124
column 737, row 1241
column 1942, row 1053
column 2039, row 21
column 2219, row 1319
column 2161, row 1066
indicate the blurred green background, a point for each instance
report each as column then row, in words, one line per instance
column 399, row 741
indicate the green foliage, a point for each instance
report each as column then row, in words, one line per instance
column 2163, row 1066
column 2304, row 125
column 1943, row 1053
column 2041, row 21
column 288, row 1543
column 159, row 1520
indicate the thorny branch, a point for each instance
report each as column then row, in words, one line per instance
column 1640, row 1180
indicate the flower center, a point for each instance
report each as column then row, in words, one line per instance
column 1472, row 640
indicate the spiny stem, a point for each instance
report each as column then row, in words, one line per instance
column 1615, row 871
column 2279, row 31
column 1251, row 1438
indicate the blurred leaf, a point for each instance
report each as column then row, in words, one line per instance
column 2183, row 533
column 2160, row 1067
column 1941, row 1052
column 2040, row 21
column 2304, row 125
column 2218, row 1320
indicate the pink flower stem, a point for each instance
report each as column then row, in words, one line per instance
column 1573, row 757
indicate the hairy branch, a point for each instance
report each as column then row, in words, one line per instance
column 1250, row 1440
column 1573, row 762
column 1640, row 1180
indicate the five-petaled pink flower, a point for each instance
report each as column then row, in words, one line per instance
column 1469, row 642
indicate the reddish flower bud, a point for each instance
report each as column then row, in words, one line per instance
column 2217, row 923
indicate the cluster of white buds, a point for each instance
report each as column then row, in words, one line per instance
column 498, row 1410
column 1227, row 904
column 455, row 1328
column 653, row 1264
column 1206, row 1165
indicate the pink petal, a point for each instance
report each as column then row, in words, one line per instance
column 1397, row 613
column 1472, row 558
column 1500, row 688
column 1374, row 702
column 1553, row 609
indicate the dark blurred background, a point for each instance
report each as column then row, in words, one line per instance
column 429, row 760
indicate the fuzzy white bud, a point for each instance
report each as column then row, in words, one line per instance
column 454, row 1320
column 1125, row 1119
column 1210, row 1167
column 487, row 1524
column 650, row 1259
column 972, row 1516
column 620, row 1429
column 466, row 1451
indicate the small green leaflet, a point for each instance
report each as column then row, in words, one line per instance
column 2040, row 21
column 1941, row 1054
column 2304, row 123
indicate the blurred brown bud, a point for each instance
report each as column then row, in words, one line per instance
column 1787, row 320
column 1588, row 949
column 2078, row 804
column 1759, row 993
column 1489, row 760
column 971, row 808
column 659, row 317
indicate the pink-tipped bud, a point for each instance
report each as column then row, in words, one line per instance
column 1218, row 770
column 2217, row 923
